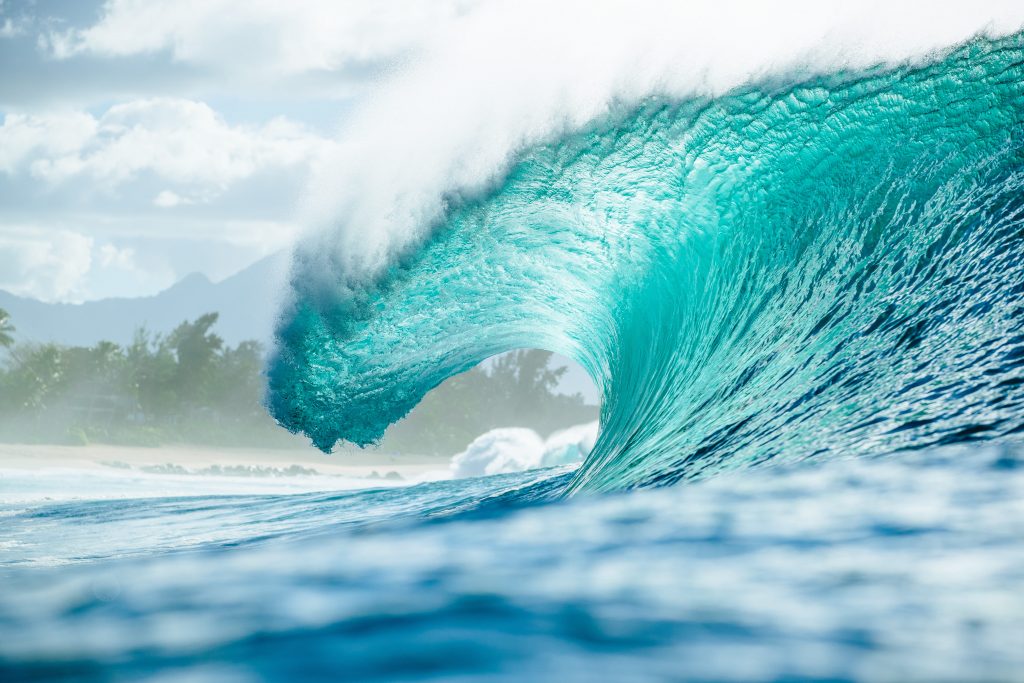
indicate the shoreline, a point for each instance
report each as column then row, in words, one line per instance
column 357, row 464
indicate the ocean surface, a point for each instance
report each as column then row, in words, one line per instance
column 906, row 567
column 802, row 303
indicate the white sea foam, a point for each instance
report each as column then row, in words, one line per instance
column 509, row 74
column 516, row 449
column 569, row 445
column 21, row 486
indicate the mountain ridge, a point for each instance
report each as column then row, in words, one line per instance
column 246, row 301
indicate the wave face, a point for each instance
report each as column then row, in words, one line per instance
column 787, row 271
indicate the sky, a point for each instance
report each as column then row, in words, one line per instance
column 141, row 141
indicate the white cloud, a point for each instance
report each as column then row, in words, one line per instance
column 180, row 141
column 82, row 258
column 111, row 256
column 25, row 136
column 44, row 264
column 481, row 80
column 168, row 199
column 262, row 36
column 57, row 264
column 8, row 29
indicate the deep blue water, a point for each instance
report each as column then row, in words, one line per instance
column 898, row 568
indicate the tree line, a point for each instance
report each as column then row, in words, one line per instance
column 189, row 386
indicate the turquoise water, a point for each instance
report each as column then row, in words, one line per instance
column 803, row 305
column 782, row 273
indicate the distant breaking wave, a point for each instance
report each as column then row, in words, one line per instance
column 831, row 267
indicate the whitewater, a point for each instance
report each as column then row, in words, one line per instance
column 794, row 274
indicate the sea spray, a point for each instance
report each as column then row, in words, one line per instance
column 516, row 449
column 830, row 267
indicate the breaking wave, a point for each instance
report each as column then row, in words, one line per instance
column 827, row 266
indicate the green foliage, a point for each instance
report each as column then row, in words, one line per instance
column 517, row 391
column 196, row 351
column 189, row 386
column 6, row 330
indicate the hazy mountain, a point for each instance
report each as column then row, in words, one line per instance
column 246, row 301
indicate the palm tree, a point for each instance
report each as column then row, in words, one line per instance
column 6, row 330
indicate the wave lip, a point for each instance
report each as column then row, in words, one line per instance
column 452, row 123
column 788, row 271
